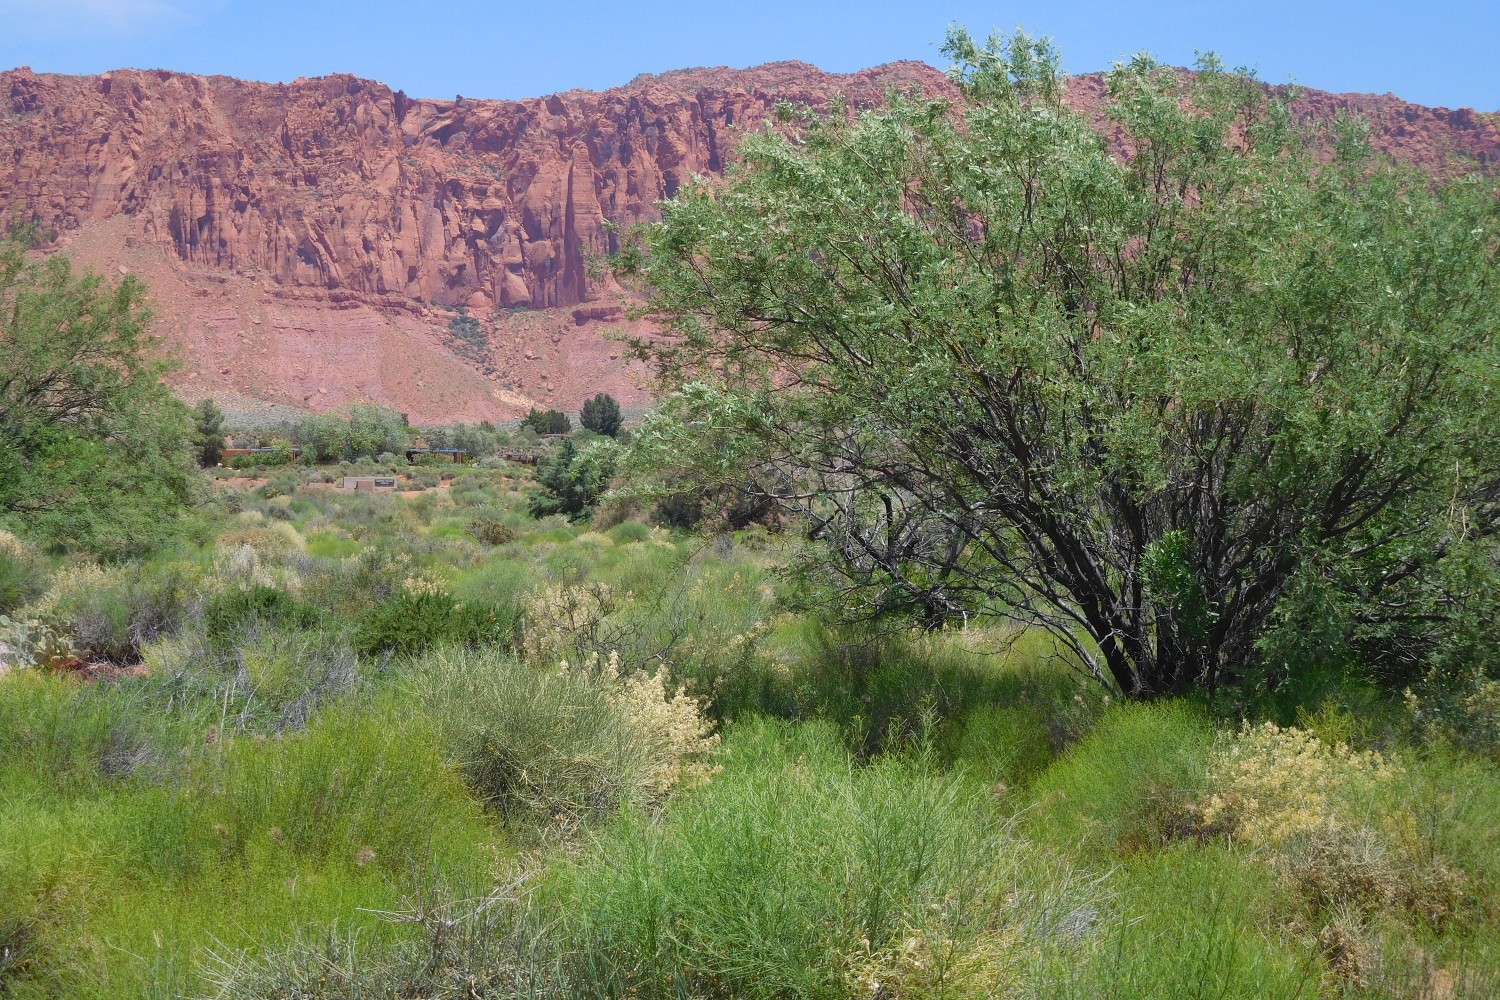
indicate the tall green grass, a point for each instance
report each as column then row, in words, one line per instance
column 797, row 872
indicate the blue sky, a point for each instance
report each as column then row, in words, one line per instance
column 1445, row 52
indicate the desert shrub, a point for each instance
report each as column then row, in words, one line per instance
column 294, row 673
column 1187, row 922
column 1464, row 712
column 1312, row 811
column 491, row 526
column 627, row 532
column 422, row 615
column 795, row 873
column 270, row 539
column 110, row 614
column 560, row 744
column 351, row 586
column 1383, row 960
column 471, row 490
column 23, row 574
column 704, row 624
column 280, row 484
column 568, row 622
column 228, row 613
column 68, row 735
column 486, row 943
column 362, row 786
column 1271, row 783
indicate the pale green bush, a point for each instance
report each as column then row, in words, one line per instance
column 559, row 744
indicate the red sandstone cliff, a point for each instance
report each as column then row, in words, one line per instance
column 303, row 239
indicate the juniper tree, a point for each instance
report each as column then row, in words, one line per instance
column 602, row 415
column 208, row 432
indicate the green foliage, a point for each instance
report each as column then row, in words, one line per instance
column 1190, row 924
column 481, row 440
column 95, row 452
column 1217, row 408
column 352, row 704
column 629, row 532
column 602, row 415
column 208, row 432
column 1127, row 786
column 794, row 873
column 421, row 617
column 228, row 613
column 547, row 421
column 22, row 573
column 574, row 479
column 366, row 431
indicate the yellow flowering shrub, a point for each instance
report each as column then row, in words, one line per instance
column 423, row 585
column 927, row 963
column 1272, row 783
column 670, row 730
column 565, row 619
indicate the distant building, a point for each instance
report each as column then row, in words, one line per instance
column 232, row 452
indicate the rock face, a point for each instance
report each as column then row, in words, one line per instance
column 343, row 185
column 304, row 240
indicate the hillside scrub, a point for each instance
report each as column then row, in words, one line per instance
column 296, row 781
column 1209, row 400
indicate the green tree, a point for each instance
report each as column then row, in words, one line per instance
column 208, row 432
column 602, row 415
column 1205, row 400
column 93, row 447
column 547, row 421
column 322, row 438
column 573, row 479
column 366, row 431
column 374, row 430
